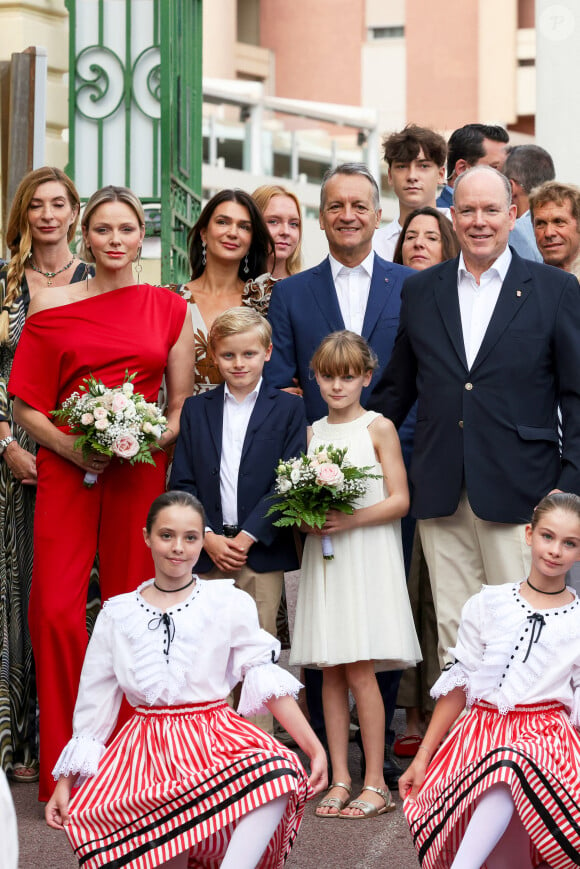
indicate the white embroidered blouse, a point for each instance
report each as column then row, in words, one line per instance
column 196, row 653
column 509, row 654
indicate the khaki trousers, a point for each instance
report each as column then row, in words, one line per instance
column 463, row 553
column 266, row 590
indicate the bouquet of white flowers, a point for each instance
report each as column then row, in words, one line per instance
column 308, row 487
column 113, row 422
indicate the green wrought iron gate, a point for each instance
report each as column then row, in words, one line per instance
column 135, row 98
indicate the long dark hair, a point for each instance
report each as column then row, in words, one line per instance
column 261, row 248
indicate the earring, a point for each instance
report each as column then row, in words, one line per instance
column 203, row 256
column 246, row 266
column 138, row 266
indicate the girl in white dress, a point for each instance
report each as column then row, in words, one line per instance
column 353, row 615
column 504, row 788
column 187, row 781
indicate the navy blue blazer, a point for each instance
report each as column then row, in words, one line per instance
column 492, row 427
column 304, row 309
column 276, row 430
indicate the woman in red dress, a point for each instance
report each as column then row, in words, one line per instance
column 102, row 326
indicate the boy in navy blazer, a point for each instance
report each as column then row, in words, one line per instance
column 230, row 442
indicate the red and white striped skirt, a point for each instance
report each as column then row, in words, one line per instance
column 535, row 750
column 179, row 779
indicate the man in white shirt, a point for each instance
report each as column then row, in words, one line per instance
column 489, row 347
column 416, row 160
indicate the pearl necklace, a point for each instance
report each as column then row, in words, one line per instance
column 50, row 275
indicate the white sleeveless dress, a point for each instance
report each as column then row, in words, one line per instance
column 355, row 607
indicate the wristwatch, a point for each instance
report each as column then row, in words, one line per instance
column 4, row 443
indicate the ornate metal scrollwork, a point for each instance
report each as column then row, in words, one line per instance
column 101, row 78
column 146, row 78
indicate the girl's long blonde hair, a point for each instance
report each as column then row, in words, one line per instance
column 18, row 235
column 262, row 196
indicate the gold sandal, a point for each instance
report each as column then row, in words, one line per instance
column 333, row 802
column 369, row 810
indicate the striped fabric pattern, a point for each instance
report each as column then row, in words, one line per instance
column 179, row 779
column 535, row 751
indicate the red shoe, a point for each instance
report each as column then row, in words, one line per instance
column 407, row 746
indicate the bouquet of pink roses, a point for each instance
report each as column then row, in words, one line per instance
column 113, row 422
column 308, row 487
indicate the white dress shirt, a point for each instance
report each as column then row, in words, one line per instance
column 235, row 425
column 352, row 289
column 478, row 300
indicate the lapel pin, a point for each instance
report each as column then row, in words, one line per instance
column 386, row 280
column 518, row 293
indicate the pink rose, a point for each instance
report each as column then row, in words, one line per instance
column 125, row 446
column 120, row 402
column 329, row 475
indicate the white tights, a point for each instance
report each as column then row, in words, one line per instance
column 249, row 839
column 495, row 835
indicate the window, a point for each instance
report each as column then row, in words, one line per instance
column 386, row 32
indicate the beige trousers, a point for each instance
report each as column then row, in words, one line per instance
column 463, row 553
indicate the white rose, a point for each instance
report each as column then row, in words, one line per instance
column 101, row 424
column 284, row 485
column 128, row 389
column 130, row 411
column 100, row 413
column 295, row 475
column 147, row 427
column 87, row 419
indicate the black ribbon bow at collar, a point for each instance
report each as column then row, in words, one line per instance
column 169, row 625
column 538, row 621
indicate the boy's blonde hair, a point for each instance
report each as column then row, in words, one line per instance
column 234, row 321
column 343, row 353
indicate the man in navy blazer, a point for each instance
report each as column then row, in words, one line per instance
column 276, row 430
column 352, row 289
column 489, row 347
column 308, row 306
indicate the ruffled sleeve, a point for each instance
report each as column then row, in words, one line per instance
column 97, row 706
column 468, row 652
column 253, row 657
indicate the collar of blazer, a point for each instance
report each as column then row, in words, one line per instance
column 384, row 294
column 515, row 291
column 215, row 413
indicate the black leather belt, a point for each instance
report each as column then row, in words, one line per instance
column 231, row 530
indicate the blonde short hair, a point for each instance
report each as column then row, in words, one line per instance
column 234, row 321
column 111, row 193
column 342, row 353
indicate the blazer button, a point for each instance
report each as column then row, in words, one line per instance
column 469, row 386
column 460, row 423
